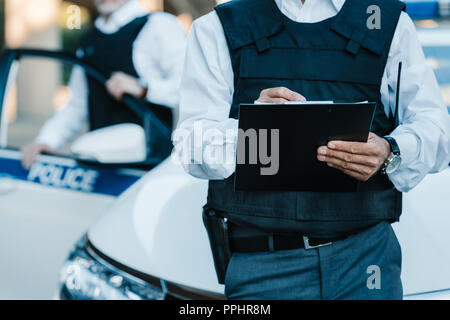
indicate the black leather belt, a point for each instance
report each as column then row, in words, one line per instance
column 277, row 243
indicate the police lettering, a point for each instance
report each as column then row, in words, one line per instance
column 61, row 177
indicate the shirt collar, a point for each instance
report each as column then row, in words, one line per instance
column 336, row 3
column 122, row 16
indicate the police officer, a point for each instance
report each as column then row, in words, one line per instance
column 143, row 55
column 307, row 245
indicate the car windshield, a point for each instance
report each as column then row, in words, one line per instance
column 439, row 59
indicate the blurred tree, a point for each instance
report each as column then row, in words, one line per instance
column 195, row 8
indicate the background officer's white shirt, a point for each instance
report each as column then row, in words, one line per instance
column 158, row 56
column 207, row 91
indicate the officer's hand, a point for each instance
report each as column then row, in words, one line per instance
column 279, row 95
column 121, row 83
column 31, row 151
column 357, row 159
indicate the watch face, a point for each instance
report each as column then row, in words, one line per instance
column 393, row 164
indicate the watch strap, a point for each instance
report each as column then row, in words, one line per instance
column 394, row 146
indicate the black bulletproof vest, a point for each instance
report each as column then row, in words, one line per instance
column 337, row 59
column 110, row 53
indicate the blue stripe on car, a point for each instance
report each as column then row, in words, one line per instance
column 80, row 178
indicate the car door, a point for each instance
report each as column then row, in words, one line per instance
column 424, row 228
column 44, row 210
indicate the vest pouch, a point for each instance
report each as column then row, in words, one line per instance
column 251, row 203
column 368, row 205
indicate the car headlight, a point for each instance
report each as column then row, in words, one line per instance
column 85, row 276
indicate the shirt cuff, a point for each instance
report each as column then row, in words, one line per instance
column 143, row 83
column 409, row 151
column 409, row 147
column 219, row 153
column 48, row 141
column 157, row 92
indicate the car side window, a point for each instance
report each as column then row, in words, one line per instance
column 439, row 59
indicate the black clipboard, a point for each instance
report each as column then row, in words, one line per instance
column 302, row 129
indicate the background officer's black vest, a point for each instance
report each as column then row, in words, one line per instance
column 339, row 59
column 109, row 53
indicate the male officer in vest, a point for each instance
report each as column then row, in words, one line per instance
column 305, row 245
column 144, row 55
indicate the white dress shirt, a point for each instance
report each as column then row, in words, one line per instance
column 158, row 57
column 207, row 91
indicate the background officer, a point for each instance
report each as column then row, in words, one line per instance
column 306, row 245
column 144, row 55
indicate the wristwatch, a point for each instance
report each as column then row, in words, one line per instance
column 394, row 161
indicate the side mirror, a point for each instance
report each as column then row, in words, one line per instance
column 122, row 143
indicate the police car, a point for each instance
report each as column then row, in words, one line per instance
column 44, row 210
column 150, row 243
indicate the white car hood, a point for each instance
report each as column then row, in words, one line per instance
column 156, row 228
column 424, row 235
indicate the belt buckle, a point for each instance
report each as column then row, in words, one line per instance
column 309, row 247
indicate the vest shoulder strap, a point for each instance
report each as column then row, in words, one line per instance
column 368, row 23
column 249, row 21
column 139, row 22
column 254, row 21
column 135, row 25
